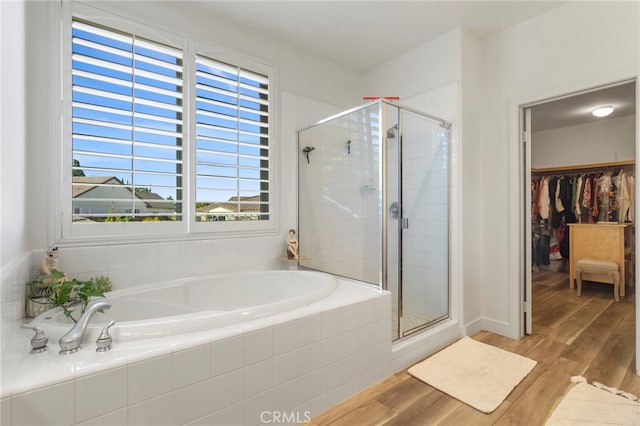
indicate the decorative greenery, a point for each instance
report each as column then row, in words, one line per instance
column 68, row 294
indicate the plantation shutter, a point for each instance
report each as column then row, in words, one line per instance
column 126, row 127
column 232, row 142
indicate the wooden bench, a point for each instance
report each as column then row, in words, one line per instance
column 600, row 271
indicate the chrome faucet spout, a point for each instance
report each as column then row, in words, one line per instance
column 70, row 342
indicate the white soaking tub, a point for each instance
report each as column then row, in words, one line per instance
column 196, row 304
column 233, row 349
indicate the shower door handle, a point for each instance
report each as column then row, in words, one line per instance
column 394, row 210
column 394, row 213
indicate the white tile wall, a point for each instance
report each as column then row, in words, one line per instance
column 203, row 421
column 286, row 367
column 285, row 337
column 158, row 411
column 91, row 259
column 227, row 389
column 13, row 287
column 285, row 396
column 53, row 405
column 255, row 406
column 150, row 378
column 113, row 418
column 191, row 366
column 192, row 402
column 232, row 415
column 5, row 411
column 258, row 377
column 258, row 345
column 128, row 265
column 87, row 405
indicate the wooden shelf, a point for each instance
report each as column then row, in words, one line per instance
column 286, row 259
column 611, row 164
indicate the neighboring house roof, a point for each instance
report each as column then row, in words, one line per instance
column 91, row 182
column 247, row 205
column 154, row 201
column 151, row 199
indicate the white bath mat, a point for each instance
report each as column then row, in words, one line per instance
column 475, row 373
column 596, row 404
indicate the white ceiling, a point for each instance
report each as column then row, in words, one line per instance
column 577, row 109
column 363, row 34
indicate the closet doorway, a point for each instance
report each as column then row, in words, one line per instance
column 579, row 174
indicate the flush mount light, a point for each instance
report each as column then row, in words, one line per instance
column 602, row 111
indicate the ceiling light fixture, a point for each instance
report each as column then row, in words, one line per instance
column 602, row 111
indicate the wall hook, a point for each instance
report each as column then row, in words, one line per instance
column 348, row 147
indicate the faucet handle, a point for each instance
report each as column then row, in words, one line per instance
column 104, row 340
column 38, row 341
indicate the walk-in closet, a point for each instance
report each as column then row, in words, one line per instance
column 583, row 195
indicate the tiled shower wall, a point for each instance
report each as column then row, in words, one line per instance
column 339, row 217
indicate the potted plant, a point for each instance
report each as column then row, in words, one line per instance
column 51, row 288
column 68, row 294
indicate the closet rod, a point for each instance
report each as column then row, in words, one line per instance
column 584, row 166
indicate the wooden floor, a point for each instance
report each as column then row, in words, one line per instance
column 592, row 336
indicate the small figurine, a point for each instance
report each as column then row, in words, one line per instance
column 48, row 266
column 292, row 245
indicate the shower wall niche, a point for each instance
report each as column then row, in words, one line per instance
column 373, row 205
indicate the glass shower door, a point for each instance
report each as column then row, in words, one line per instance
column 424, row 223
column 373, row 205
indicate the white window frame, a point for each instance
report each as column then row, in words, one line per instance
column 64, row 230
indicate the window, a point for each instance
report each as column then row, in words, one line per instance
column 161, row 133
column 232, row 142
column 126, row 127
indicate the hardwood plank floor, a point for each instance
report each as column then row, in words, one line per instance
column 591, row 335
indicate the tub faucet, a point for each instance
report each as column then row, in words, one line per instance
column 70, row 342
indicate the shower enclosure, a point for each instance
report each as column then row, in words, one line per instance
column 373, row 205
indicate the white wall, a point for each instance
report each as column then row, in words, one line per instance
column 575, row 46
column 443, row 78
column 14, row 131
column 14, row 227
column 420, row 70
column 606, row 140
column 468, row 182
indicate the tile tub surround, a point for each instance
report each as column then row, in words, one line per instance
column 299, row 362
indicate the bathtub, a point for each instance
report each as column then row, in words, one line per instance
column 225, row 349
column 196, row 304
